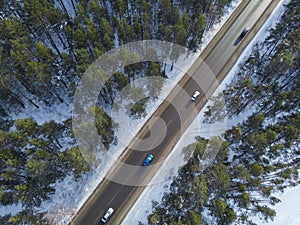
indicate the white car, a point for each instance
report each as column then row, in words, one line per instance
column 195, row 95
column 107, row 215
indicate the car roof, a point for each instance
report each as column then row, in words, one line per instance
column 111, row 210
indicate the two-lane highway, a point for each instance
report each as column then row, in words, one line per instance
column 219, row 56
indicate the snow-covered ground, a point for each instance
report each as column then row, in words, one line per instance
column 58, row 112
column 287, row 211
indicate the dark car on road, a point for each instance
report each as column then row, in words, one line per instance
column 244, row 32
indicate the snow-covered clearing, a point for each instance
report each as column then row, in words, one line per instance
column 287, row 211
column 13, row 209
column 43, row 114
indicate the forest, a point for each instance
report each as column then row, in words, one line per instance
column 46, row 45
column 260, row 156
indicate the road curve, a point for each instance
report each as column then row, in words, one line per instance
column 219, row 56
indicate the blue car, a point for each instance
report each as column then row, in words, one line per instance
column 148, row 160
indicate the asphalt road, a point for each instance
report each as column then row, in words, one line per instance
column 219, row 57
